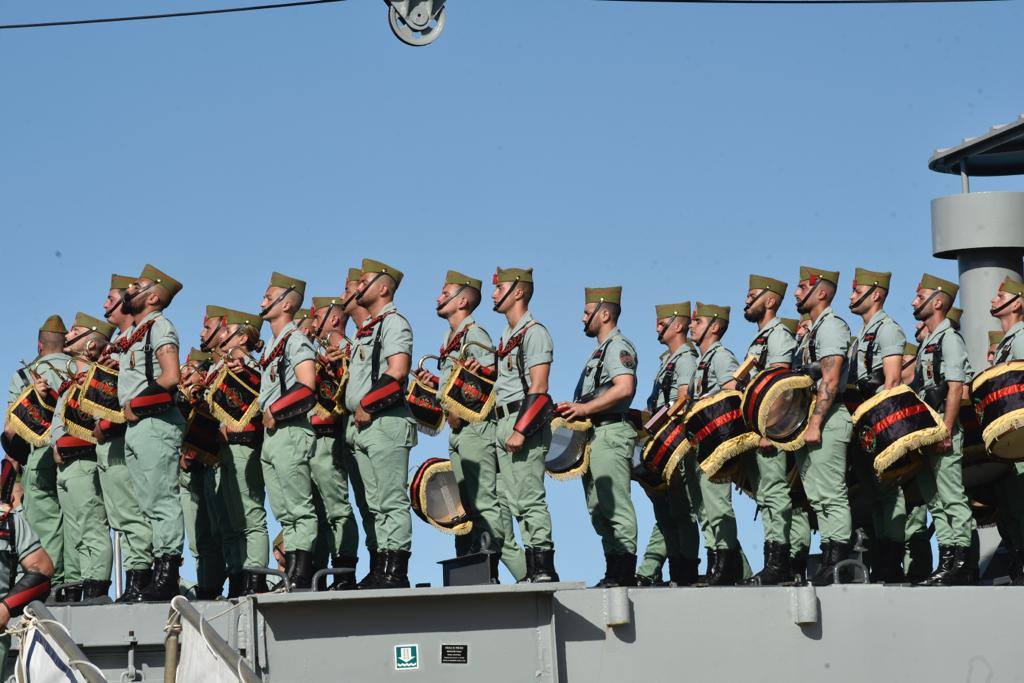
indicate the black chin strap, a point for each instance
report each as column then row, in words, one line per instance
column 754, row 300
column 515, row 283
column 116, row 306
column 861, row 300
column 707, row 329
column 800, row 304
column 661, row 335
column 320, row 328
column 359, row 296
column 935, row 293
column 279, row 299
column 449, row 299
column 129, row 295
column 75, row 340
column 590, row 318
column 995, row 311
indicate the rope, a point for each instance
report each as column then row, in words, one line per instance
column 168, row 15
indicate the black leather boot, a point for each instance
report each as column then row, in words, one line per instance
column 530, row 563
column 644, row 581
column 1017, row 568
column 798, row 567
column 301, row 576
column 255, row 583
column 344, row 582
column 620, row 570
column 944, row 569
column 236, row 584
column 920, row 550
column 887, row 562
column 712, row 558
column 492, row 564
column 95, row 592
column 832, row 553
column 164, row 585
column 968, row 574
column 682, row 571
column 396, row 569
column 776, row 566
column 73, row 593
column 544, row 566
column 373, row 577
column 135, row 580
column 728, row 569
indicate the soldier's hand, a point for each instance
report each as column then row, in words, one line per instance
column 425, row 376
column 454, row 421
column 97, row 433
column 268, row 420
column 514, row 443
column 5, row 616
column 235, row 364
column 40, row 385
column 572, row 411
column 472, row 364
column 812, row 436
column 335, row 355
column 362, row 418
column 764, row 445
column 182, row 463
column 129, row 414
column 57, row 456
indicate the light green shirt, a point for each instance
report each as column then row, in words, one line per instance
column 22, row 378
column 716, row 368
column 884, row 337
column 131, row 376
column 954, row 366
column 1012, row 345
column 779, row 341
column 617, row 356
column 676, row 371
column 297, row 349
column 831, row 337
column 474, row 333
column 537, row 349
column 394, row 335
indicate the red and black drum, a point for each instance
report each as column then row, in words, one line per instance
column 422, row 401
column 719, row 434
column 99, row 394
column 202, row 437
column 661, row 455
column 434, row 496
column 892, row 427
column 234, row 400
column 468, row 395
column 31, row 415
column 998, row 397
column 777, row 404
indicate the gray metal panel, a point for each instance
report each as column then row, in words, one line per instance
column 1000, row 151
column 977, row 220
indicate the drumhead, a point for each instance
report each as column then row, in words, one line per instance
column 1009, row 446
column 568, row 456
column 788, row 415
column 442, row 497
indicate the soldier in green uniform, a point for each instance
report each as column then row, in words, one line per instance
column 471, row 446
column 287, row 384
column 917, row 550
column 303, row 322
column 21, row 557
column 330, row 476
column 603, row 395
column 385, row 429
column 1008, row 309
column 766, row 468
column 39, row 474
column 86, row 531
column 822, row 461
column 876, row 357
column 675, row 536
column 523, row 409
column 941, row 373
column 122, row 506
column 715, row 368
column 148, row 376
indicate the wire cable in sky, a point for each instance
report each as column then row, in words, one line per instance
column 169, row 15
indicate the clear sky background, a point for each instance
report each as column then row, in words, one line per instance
column 671, row 149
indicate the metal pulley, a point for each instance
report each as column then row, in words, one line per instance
column 416, row 22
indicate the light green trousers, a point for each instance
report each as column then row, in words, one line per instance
column 285, row 456
column 239, row 481
column 675, row 530
column 512, row 555
column 122, row 507
column 384, row 447
column 607, row 487
column 151, row 450
column 766, row 473
column 941, row 484
column 523, row 476
column 205, row 543
column 358, row 468
column 823, row 473
column 331, row 480
column 42, row 508
column 86, row 533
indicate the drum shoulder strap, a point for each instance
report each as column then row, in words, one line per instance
column 1003, row 350
column 705, row 372
column 147, row 350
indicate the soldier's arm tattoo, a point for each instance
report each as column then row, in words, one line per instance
column 828, row 387
column 170, row 372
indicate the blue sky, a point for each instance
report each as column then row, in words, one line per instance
column 671, row 149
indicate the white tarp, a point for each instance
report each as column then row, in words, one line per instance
column 198, row 661
column 40, row 660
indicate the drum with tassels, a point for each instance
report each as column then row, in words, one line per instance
column 718, row 432
column 202, row 437
column 77, row 422
column 892, row 427
column 234, row 398
column 330, row 388
column 30, row 416
column 569, row 454
column 664, row 450
column 998, row 397
column 99, row 394
column 777, row 404
column 422, row 401
column 468, row 395
column 434, row 495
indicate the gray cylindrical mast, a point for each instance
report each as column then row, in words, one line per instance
column 983, row 231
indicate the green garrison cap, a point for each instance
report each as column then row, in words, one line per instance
column 513, row 275
column 663, row 311
column 300, row 315
column 937, row 283
column 286, row 281
column 995, row 336
column 1012, row 286
column 197, row 356
column 371, row 266
column 815, row 274
column 711, row 311
column 54, row 324
column 954, row 316
column 602, row 295
column 243, row 318
column 790, row 324
column 216, row 311
column 909, row 349
column 325, row 301
column 772, row 285
column 354, row 274
column 121, row 281
column 153, row 274
column 454, row 277
column 870, row 277
column 94, row 324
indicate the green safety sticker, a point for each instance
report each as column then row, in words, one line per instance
column 407, row 657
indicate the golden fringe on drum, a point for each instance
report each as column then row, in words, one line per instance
column 895, row 424
column 434, row 497
column 998, row 396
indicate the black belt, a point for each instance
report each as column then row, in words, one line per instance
column 508, row 409
column 608, row 418
column 68, row 459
